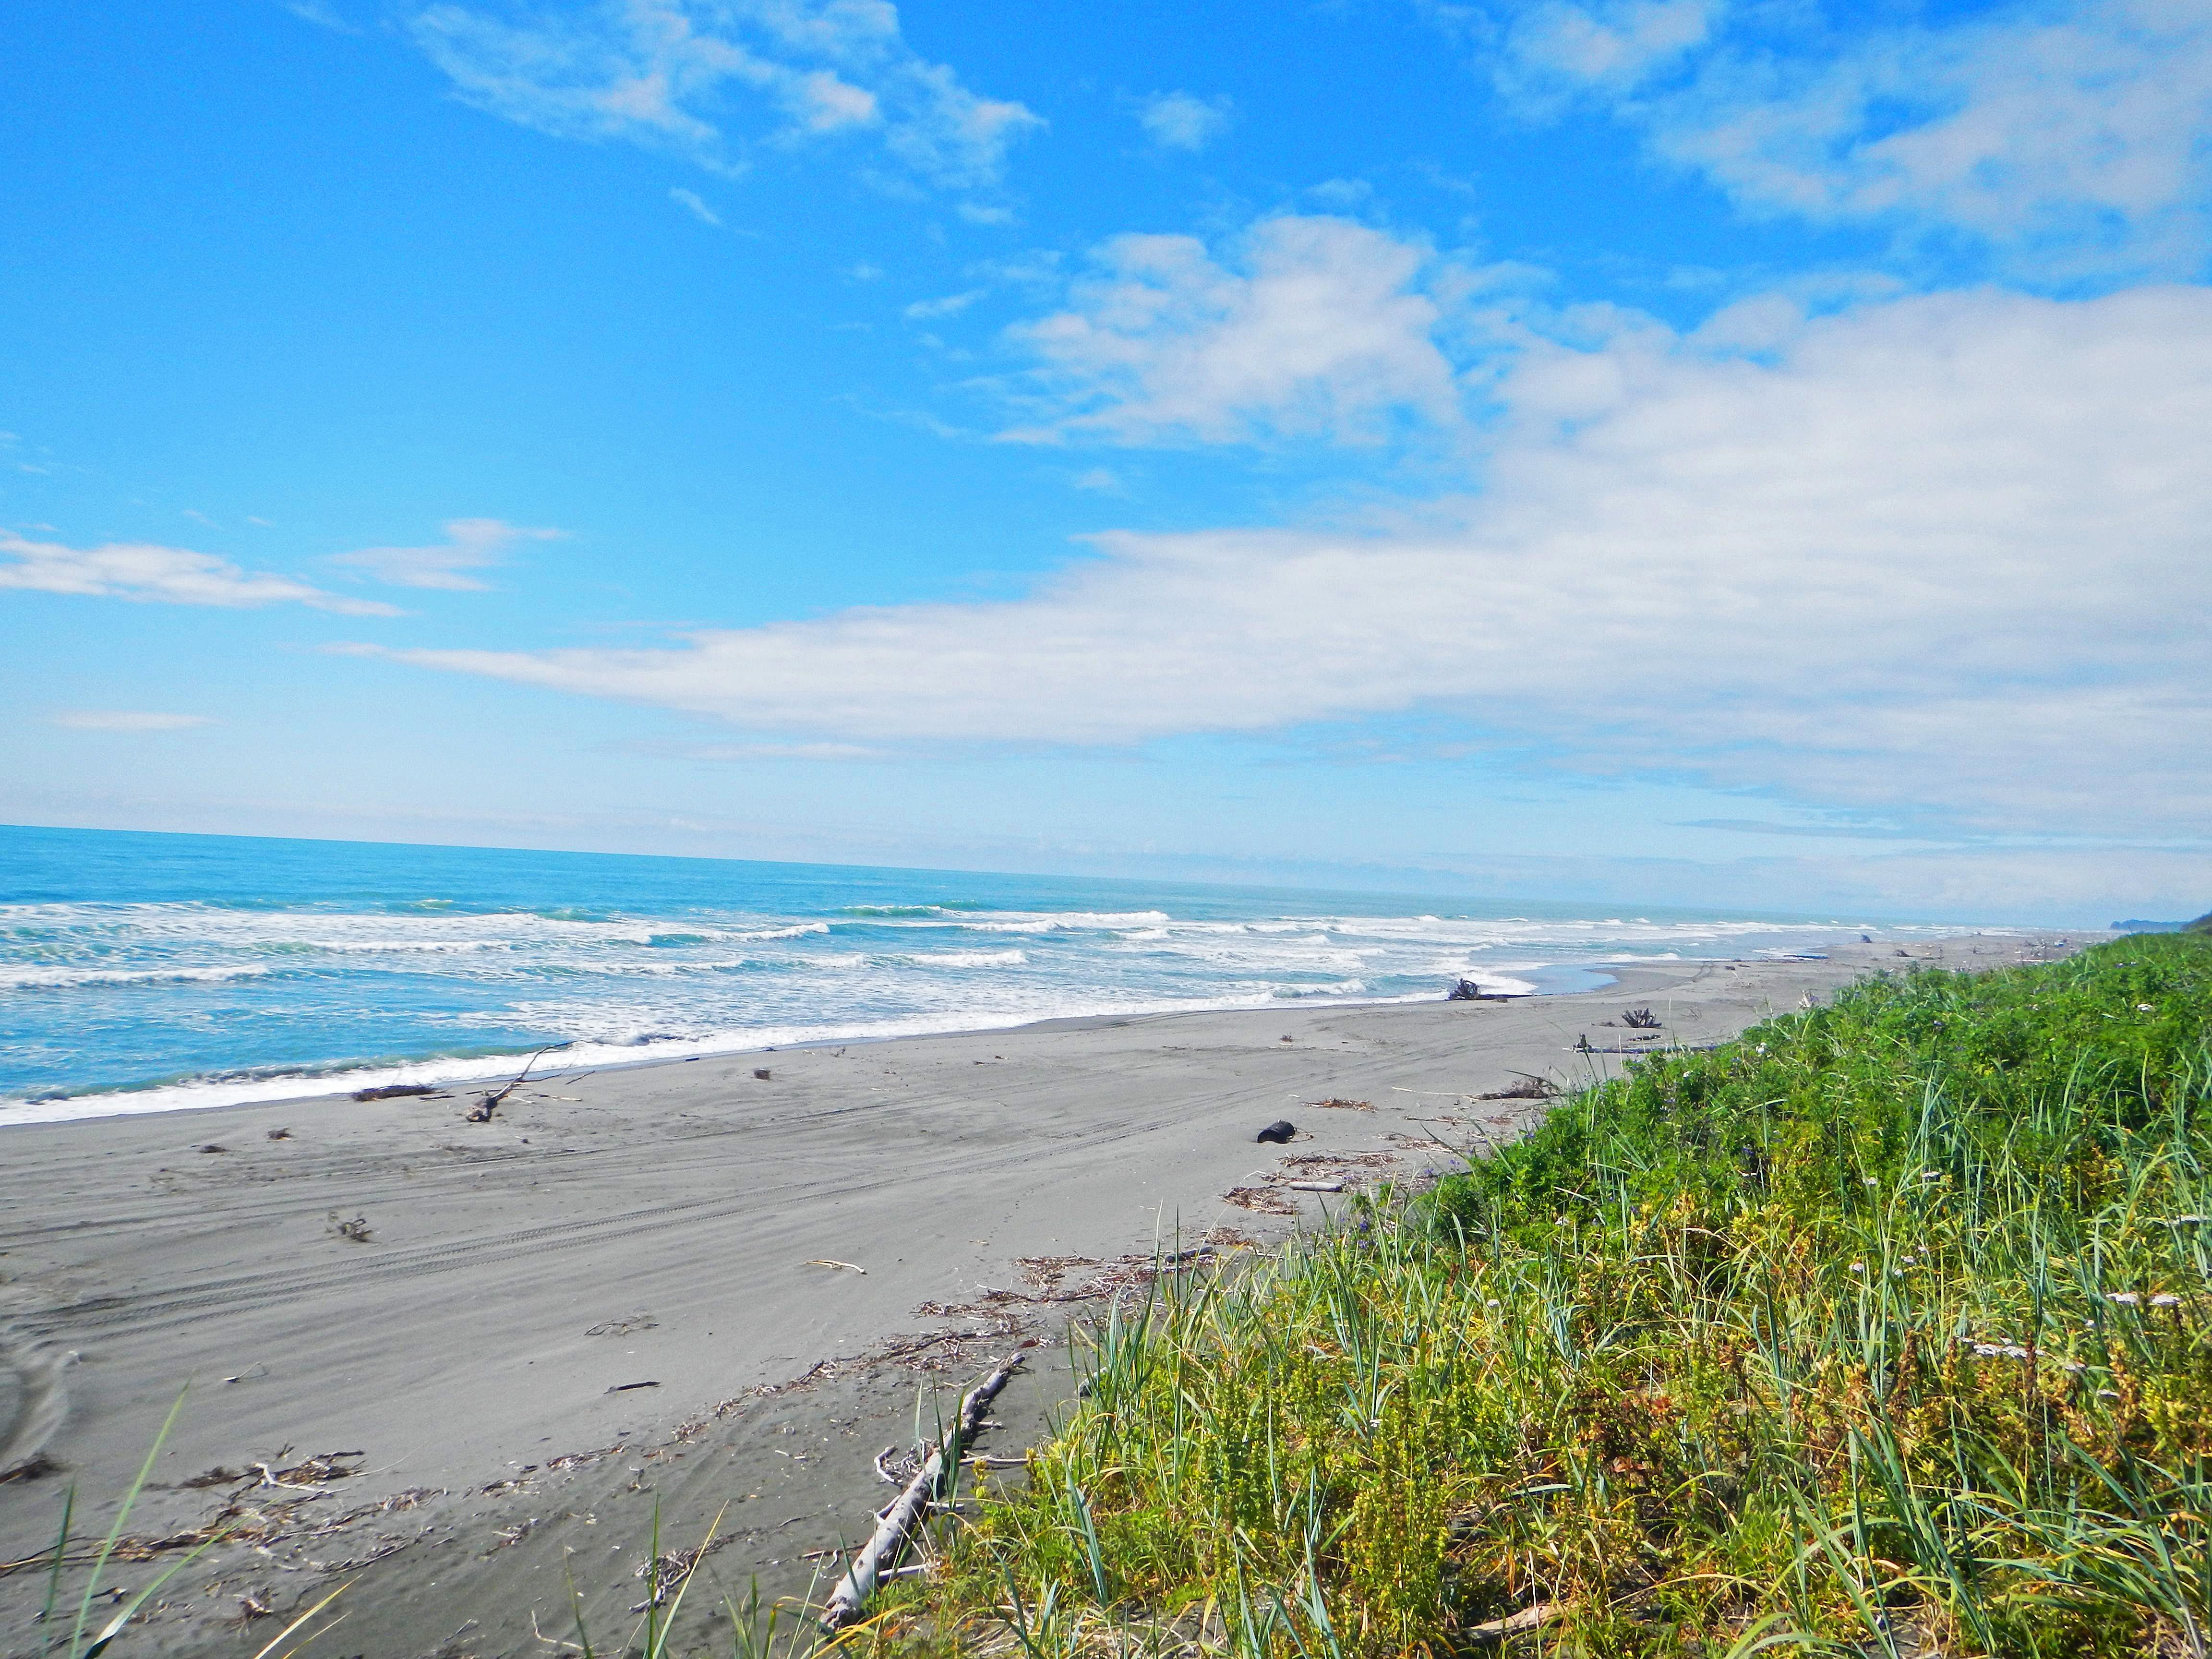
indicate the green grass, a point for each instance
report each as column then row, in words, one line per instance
column 1881, row 1330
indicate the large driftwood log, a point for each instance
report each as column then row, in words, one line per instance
column 896, row 1526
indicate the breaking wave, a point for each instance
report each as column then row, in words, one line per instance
column 215, row 982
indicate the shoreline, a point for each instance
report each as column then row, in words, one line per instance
column 442, row 1072
column 637, row 1287
column 345, row 1077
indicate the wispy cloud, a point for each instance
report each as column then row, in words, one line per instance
column 1178, row 120
column 691, row 201
column 1854, row 564
column 709, row 79
column 470, row 544
column 1314, row 327
column 951, row 305
column 1818, row 831
column 150, row 573
column 321, row 15
column 2069, row 139
column 126, row 720
column 12, row 453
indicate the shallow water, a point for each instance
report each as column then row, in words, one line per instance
column 146, row 972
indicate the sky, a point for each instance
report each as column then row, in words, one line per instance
column 1728, row 452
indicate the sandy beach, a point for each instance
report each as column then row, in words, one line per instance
column 453, row 1363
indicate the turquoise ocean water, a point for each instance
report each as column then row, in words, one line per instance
column 147, row 972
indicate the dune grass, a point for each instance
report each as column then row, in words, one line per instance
column 1881, row 1330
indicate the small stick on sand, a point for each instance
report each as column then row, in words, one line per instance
column 912, row 1506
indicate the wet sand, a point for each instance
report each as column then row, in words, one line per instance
column 474, row 1349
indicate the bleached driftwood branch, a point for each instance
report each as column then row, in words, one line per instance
column 896, row 1526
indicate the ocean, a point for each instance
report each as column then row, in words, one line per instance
column 142, row 972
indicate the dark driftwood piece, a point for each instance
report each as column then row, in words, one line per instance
column 896, row 1525
column 1277, row 1133
column 1530, row 1087
column 1468, row 991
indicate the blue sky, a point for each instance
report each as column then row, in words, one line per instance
column 1663, row 450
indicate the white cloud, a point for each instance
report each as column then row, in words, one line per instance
column 1320, row 330
column 950, row 305
column 125, row 720
column 1613, row 44
column 1948, row 550
column 675, row 75
column 147, row 572
column 470, row 544
column 695, row 204
column 2071, row 138
column 1178, row 120
column 1342, row 195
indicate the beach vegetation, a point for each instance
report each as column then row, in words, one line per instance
column 1885, row 1329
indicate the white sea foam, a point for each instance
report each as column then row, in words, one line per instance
column 1029, row 921
column 58, row 979
column 698, row 978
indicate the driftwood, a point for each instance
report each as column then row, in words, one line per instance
column 1584, row 1046
column 896, row 1526
column 1530, row 1087
column 1315, row 1186
column 1468, row 991
column 1528, row 1619
column 482, row 1110
column 1278, row 1133
column 393, row 1091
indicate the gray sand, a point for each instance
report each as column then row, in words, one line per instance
column 660, row 1224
